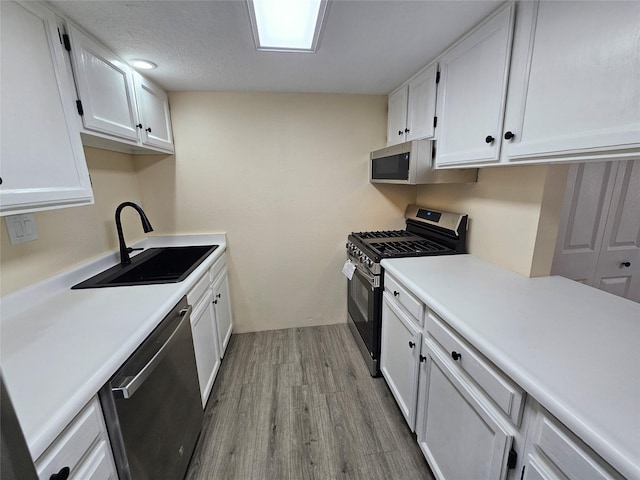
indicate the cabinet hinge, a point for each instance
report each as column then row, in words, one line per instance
column 512, row 459
column 438, row 77
column 435, row 122
column 433, row 150
column 79, row 107
column 67, row 43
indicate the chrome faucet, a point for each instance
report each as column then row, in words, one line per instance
column 146, row 226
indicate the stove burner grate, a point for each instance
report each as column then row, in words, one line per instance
column 409, row 247
column 382, row 234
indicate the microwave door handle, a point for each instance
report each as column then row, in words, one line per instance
column 134, row 382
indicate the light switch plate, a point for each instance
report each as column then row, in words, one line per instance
column 21, row 228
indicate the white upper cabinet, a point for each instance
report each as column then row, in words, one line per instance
column 412, row 108
column 153, row 112
column 397, row 116
column 105, row 87
column 121, row 110
column 574, row 87
column 43, row 164
column 422, row 104
column 472, row 92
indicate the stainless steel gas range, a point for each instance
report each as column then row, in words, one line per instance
column 428, row 232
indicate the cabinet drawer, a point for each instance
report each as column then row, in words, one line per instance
column 507, row 395
column 217, row 267
column 198, row 290
column 575, row 460
column 414, row 306
column 73, row 443
column 99, row 465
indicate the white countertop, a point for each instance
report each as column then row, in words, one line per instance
column 573, row 348
column 60, row 346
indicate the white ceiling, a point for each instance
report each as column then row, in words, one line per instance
column 367, row 47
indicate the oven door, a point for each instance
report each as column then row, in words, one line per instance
column 364, row 304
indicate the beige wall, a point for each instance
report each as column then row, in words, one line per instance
column 286, row 176
column 514, row 213
column 71, row 236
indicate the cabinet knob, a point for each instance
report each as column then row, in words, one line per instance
column 509, row 135
column 455, row 355
column 215, row 302
column 396, row 293
column 63, row 474
column 489, row 139
column 0, row 180
column 218, row 295
column 625, row 264
column 149, row 129
column 422, row 358
column 412, row 344
column 139, row 125
column 406, row 130
column 400, row 132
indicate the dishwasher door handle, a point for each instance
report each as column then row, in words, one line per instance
column 134, row 382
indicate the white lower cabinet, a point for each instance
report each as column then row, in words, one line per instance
column 211, row 323
column 222, row 307
column 554, row 453
column 82, row 450
column 471, row 420
column 459, row 431
column 399, row 360
column 205, row 343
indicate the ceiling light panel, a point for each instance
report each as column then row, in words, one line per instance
column 287, row 25
column 142, row 64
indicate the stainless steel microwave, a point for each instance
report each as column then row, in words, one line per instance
column 411, row 163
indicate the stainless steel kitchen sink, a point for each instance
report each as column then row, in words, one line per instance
column 153, row 266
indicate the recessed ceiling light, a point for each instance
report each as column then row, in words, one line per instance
column 287, row 25
column 142, row 64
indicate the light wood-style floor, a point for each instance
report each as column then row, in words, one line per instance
column 299, row 404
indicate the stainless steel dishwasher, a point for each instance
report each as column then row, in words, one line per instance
column 152, row 404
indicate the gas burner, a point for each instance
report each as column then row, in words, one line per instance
column 382, row 234
column 409, row 248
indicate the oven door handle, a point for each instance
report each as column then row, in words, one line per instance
column 373, row 280
column 366, row 275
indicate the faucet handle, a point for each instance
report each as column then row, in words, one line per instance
column 129, row 249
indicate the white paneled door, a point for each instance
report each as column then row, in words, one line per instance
column 599, row 237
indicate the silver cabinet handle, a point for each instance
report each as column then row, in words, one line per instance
column 134, row 382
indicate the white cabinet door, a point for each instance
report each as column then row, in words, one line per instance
column 222, row 305
column 472, row 91
column 43, row 164
column 456, row 432
column 421, row 108
column 105, row 87
column 206, row 345
column 397, row 116
column 574, row 85
column 83, row 449
column 553, row 452
column 400, row 347
column 153, row 111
